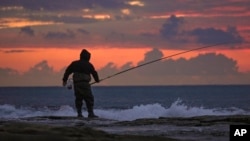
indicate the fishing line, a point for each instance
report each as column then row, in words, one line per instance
column 156, row 60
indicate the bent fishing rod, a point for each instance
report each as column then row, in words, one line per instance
column 156, row 60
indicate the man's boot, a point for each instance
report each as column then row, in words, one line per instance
column 79, row 113
column 91, row 114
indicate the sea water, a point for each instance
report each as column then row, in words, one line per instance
column 126, row 103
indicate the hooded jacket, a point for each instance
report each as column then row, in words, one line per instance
column 82, row 69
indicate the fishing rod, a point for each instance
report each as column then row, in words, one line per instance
column 156, row 60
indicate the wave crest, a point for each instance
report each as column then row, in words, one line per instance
column 156, row 110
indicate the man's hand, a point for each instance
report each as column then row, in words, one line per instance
column 64, row 83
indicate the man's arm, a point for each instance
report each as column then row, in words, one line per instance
column 67, row 72
column 94, row 74
column 96, row 77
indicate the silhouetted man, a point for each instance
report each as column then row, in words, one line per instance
column 82, row 69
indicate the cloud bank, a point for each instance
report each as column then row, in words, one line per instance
column 172, row 30
column 158, row 24
column 206, row 69
column 144, row 23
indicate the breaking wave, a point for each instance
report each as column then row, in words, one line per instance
column 177, row 109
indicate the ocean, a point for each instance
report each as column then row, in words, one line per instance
column 129, row 103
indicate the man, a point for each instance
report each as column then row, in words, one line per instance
column 82, row 69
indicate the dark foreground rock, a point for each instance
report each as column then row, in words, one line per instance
column 57, row 128
column 203, row 128
column 23, row 131
column 192, row 121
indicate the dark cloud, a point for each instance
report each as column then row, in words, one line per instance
column 60, row 35
column 41, row 68
column 9, row 77
column 110, row 3
column 208, row 68
column 172, row 30
column 28, row 31
column 17, row 51
column 83, row 31
column 212, row 35
column 151, row 55
column 7, row 72
column 204, row 64
column 108, row 69
column 64, row 4
column 70, row 19
column 72, row 15
column 10, row 3
column 145, row 34
column 41, row 74
column 160, row 7
column 127, row 66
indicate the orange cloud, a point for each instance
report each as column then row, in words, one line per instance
column 59, row 58
column 21, row 22
column 23, row 59
column 241, row 56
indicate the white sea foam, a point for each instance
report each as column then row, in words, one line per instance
column 177, row 109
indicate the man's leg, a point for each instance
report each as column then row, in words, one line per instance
column 78, row 100
column 78, row 104
column 89, row 100
column 90, row 106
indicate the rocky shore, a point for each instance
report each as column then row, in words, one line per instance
column 22, row 131
column 204, row 128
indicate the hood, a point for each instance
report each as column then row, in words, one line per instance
column 85, row 55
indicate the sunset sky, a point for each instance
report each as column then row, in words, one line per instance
column 39, row 38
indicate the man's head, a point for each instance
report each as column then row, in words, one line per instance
column 85, row 55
